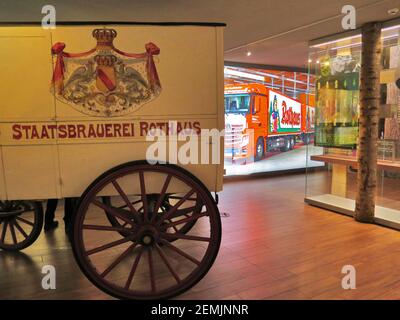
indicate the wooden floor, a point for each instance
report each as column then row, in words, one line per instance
column 274, row 247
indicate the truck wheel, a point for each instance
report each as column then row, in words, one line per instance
column 260, row 149
column 292, row 143
column 287, row 145
column 20, row 224
column 138, row 260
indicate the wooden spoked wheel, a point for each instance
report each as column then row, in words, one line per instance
column 142, row 256
column 20, row 224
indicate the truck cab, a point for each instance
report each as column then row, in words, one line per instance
column 245, row 107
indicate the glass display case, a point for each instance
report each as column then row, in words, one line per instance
column 336, row 64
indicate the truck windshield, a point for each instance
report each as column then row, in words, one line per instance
column 237, row 103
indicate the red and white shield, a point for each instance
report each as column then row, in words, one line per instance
column 106, row 80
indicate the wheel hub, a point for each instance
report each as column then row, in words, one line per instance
column 147, row 235
column 147, row 240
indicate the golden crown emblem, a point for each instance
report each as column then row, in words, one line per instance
column 104, row 37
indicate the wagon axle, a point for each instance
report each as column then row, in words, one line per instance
column 11, row 214
column 10, row 208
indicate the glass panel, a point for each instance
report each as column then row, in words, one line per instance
column 336, row 65
column 389, row 132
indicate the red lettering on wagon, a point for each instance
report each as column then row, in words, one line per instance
column 97, row 131
column 108, row 130
column 117, row 130
column 169, row 128
column 197, row 127
column 81, row 130
column 91, row 132
column 26, row 128
column 44, row 133
column 71, row 131
column 34, row 133
column 126, row 128
column 17, row 134
column 53, row 129
column 62, row 129
column 143, row 128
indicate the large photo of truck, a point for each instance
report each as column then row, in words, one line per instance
column 259, row 120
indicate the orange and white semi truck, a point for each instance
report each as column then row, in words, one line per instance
column 259, row 119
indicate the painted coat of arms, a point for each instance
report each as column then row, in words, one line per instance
column 105, row 81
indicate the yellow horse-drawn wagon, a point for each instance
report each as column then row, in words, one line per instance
column 77, row 104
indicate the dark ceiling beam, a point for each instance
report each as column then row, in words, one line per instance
column 265, row 66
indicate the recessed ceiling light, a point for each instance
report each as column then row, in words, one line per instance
column 248, row 53
column 393, row 11
column 317, row 61
column 309, row 60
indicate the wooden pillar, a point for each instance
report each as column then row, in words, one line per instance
column 368, row 122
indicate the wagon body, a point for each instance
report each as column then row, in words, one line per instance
column 53, row 146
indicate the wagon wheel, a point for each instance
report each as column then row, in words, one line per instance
column 166, row 205
column 137, row 259
column 20, row 224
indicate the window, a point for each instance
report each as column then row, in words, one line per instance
column 236, row 103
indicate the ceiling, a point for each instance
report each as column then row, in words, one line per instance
column 275, row 32
column 290, row 83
